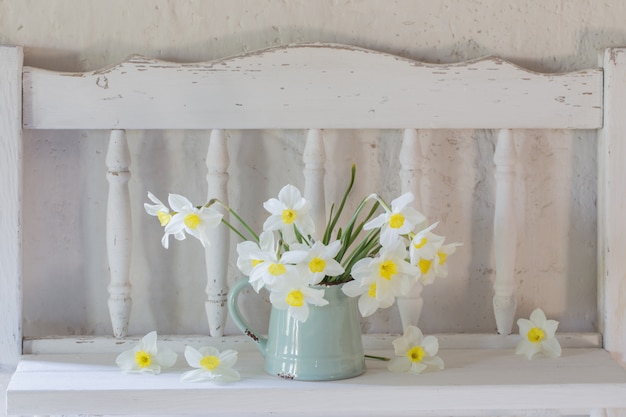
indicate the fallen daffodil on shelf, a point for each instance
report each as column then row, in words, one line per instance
column 148, row 356
column 538, row 336
column 415, row 353
column 378, row 256
column 210, row 365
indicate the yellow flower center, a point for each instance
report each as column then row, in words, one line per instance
column 416, row 354
column 295, row 298
column 387, row 269
column 289, row 216
column 164, row 218
column 192, row 221
column 143, row 358
column 536, row 335
column 372, row 291
column 255, row 262
column 442, row 257
column 210, row 362
column 317, row 265
column 424, row 265
column 396, row 221
column 276, row 269
column 421, row 243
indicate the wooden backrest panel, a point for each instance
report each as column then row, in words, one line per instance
column 311, row 86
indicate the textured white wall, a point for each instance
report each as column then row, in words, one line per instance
column 65, row 187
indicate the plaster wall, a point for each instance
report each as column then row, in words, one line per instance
column 65, row 272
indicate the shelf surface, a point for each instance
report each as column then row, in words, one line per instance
column 582, row 379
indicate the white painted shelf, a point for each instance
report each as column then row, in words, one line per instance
column 485, row 380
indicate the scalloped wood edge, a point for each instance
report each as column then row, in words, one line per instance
column 226, row 93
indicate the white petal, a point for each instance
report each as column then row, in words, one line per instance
column 153, row 198
column 126, row 360
column 332, row 249
column 399, row 202
column 399, row 364
column 211, row 218
column 306, row 225
column 414, row 335
column 430, row 345
column 550, row 327
column 300, row 313
column 388, row 237
column 417, row 368
column 228, row 358
column 196, row 375
column 176, row 224
column 289, row 195
column 293, row 256
column 149, row 343
column 193, row 357
column 434, row 362
column 524, row 326
column 551, row 347
column 209, row 351
column 278, row 300
column 333, row 268
column 165, row 240
column 166, row 357
column 413, row 217
column 367, row 305
column 274, row 206
column 538, row 317
column 273, row 223
column 376, row 222
column 154, row 369
column 527, row 348
column 353, row 288
column 152, row 209
column 401, row 346
column 178, row 202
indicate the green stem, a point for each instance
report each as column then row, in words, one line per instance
column 234, row 213
column 378, row 358
column 334, row 219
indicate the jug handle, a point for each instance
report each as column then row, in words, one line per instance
column 240, row 322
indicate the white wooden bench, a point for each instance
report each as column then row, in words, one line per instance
column 315, row 87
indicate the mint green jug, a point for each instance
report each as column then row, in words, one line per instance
column 327, row 346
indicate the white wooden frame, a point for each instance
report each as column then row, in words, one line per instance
column 422, row 96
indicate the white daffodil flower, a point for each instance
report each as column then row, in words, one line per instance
column 400, row 220
column 425, row 244
column 423, row 252
column 164, row 214
column 295, row 295
column 251, row 253
column 393, row 273
column 288, row 210
column 371, row 296
column 441, row 264
column 192, row 220
column 538, row 336
column 147, row 356
column 319, row 261
column 158, row 209
column 415, row 353
column 378, row 281
column 270, row 269
column 210, row 364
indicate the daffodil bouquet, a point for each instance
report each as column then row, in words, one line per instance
column 376, row 257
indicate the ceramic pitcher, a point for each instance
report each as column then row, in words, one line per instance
column 326, row 346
